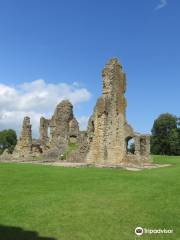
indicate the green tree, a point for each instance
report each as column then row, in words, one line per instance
column 8, row 140
column 166, row 135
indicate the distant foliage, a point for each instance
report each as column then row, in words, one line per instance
column 166, row 135
column 8, row 140
column 132, row 148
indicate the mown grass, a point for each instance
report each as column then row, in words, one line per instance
column 90, row 203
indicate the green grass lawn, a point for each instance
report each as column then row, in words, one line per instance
column 89, row 203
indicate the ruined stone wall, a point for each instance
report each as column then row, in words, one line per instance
column 74, row 133
column 43, row 131
column 142, row 147
column 24, row 143
column 63, row 124
column 107, row 127
column 108, row 120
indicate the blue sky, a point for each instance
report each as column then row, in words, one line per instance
column 62, row 46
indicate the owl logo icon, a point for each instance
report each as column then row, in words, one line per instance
column 139, row 231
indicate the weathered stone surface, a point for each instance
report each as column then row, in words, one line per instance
column 108, row 130
column 73, row 130
column 23, row 147
column 57, row 132
column 63, row 125
column 53, row 153
column 36, row 148
column 43, row 131
column 79, row 155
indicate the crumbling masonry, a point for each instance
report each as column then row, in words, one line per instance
column 108, row 129
column 63, row 127
column 108, row 133
column 24, row 143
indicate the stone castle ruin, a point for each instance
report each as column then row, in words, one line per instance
column 63, row 126
column 108, row 133
column 55, row 133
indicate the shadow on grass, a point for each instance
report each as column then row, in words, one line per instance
column 17, row 233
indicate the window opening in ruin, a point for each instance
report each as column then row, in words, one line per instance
column 130, row 145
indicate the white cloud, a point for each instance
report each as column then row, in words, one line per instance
column 35, row 99
column 161, row 4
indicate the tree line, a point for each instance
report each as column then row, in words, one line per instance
column 8, row 140
column 165, row 137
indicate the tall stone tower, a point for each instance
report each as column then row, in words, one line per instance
column 108, row 130
column 24, row 144
column 106, row 126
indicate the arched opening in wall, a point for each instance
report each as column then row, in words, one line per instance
column 142, row 146
column 130, row 145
